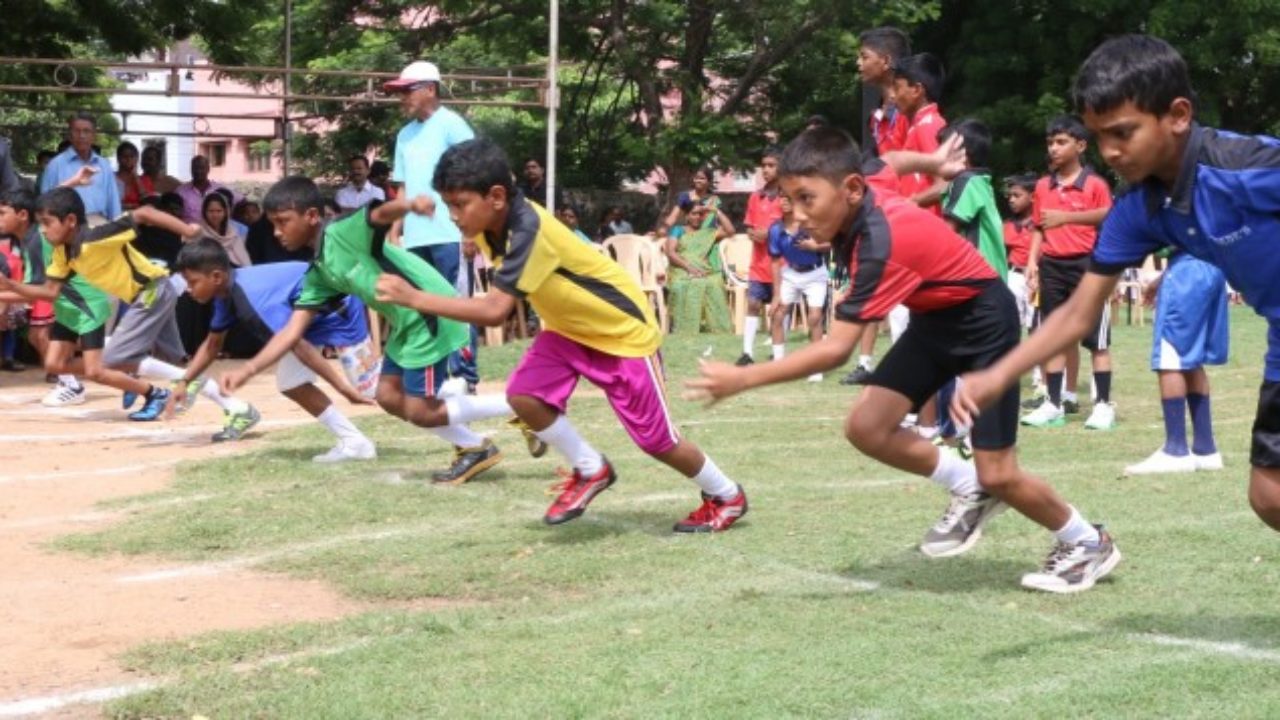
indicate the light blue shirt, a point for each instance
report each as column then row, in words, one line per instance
column 101, row 197
column 419, row 146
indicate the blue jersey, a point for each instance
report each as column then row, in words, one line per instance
column 261, row 301
column 783, row 244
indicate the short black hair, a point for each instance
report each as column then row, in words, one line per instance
column 122, row 147
column 361, row 158
column 1067, row 125
column 1026, row 181
column 923, row 69
column 45, row 155
column 1140, row 68
column 62, row 203
column 173, row 204
column 977, row 139
column 295, row 192
column 20, row 200
column 825, row 152
column 771, row 151
column 886, row 40
column 203, row 255
column 226, row 194
column 475, row 165
column 379, row 168
column 816, row 121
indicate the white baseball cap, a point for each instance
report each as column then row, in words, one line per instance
column 416, row 72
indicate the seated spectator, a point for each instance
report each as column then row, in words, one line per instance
column 215, row 218
column 358, row 191
column 228, row 195
column 246, row 212
column 380, row 177
column 615, row 223
column 697, row 290
column 133, row 187
column 569, row 216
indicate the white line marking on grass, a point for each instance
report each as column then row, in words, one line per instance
column 49, row 703
column 1236, row 650
column 19, row 398
column 137, row 434
column 43, row 411
column 94, row 472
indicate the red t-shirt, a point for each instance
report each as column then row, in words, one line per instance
column 1017, row 241
column 905, row 255
column 922, row 136
column 763, row 210
column 888, row 129
column 1088, row 192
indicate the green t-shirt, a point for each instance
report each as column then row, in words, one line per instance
column 351, row 254
column 970, row 202
column 80, row 307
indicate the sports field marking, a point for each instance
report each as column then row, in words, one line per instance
column 49, row 703
column 135, row 434
column 1237, row 650
column 104, row 515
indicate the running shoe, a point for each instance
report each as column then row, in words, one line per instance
column 152, row 406
column 1160, row 462
column 576, row 492
column 1103, row 417
column 537, row 448
column 961, row 525
column 347, row 450
column 714, row 514
column 468, row 463
column 236, row 424
column 63, row 395
column 1072, row 568
column 1047, row 415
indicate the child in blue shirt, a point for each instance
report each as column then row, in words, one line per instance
column 799, row 271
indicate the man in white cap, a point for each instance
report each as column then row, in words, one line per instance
column 432, row 129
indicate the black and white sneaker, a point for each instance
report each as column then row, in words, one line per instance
column 961, row 525
column 1075, row 568
column 857, row 376
column 468, row 463
column 744, row 360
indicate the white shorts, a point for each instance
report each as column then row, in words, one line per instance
column 1017, row 283
column 812, row 286
column 359, row 363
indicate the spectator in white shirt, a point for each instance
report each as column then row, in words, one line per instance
column 359, row 191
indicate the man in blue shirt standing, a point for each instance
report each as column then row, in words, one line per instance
column 101, row 195
column 432, row 129
column 1213, row 194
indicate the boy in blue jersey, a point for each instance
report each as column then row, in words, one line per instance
column 1214, row 194
column 799, row 271
column 260, row 300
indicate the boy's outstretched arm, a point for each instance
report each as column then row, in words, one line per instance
column 280, row 344
column 948, row 161
column 388, row 212
column 16, row 292
column 314, row 359
column 492, row 309
column 1065, row 327
column 721, row 380
column 147, row 215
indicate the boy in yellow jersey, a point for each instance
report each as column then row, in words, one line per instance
column 105, row 258
column 598, row 325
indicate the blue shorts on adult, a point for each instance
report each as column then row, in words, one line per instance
column 1191, row 316
column 418, row 382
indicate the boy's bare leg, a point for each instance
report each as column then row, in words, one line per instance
column 1000, row 475
column 1264, row 494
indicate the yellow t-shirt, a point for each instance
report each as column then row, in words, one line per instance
column 107, row 260
column 577, row 291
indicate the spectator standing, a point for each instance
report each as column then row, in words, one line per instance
column 153, row 173
column 358, row 191
column 615, row 224
column 194, row 192
column 133, row 187
column 534, row 185
column 764, row 208
column 100, row 194
column 8, row 178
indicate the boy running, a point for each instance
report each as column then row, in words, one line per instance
column 1212, row 193
column 259, row 298
column 598, row 325
column 962, row 318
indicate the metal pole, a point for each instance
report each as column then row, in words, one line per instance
column 553, row 102
column 286, row 130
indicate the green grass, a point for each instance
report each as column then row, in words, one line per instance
column 816, row 605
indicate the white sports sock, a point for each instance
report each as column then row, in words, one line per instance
column 956, row 475
column 562, row 436
column 1077, row 530
column 749, row 329
column 465, row 409
column 714, row 482
column 338, row 424
column 779, row 351
column 866, row 362
column 459, row 435
column 1069, row 395
column 232, row 405
column 70, row 381
column 153, row 368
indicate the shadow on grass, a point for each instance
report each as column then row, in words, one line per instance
column 607, row 523
column 910, row 570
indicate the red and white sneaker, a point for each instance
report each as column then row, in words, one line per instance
column 576, row 492
column 715, row 514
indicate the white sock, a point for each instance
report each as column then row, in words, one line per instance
column 232, row 405
column 465, row 409
column 459, row 435
column 562, row 436
column 70, row 381
column 339, row 425
column 927, row 431
column 153, row 368
column 865, row 362
column 956, row 475
column 779, row 351
column 749, row 334
column 1077, row 530
column 714, row 482
column 1069, row 395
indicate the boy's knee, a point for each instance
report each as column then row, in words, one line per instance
column 861, row 430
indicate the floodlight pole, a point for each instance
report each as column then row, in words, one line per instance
column 553, row 102
column 285, row 131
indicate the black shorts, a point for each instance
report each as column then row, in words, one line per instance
column 944, row 344
column 1059, row 277
column 1266, row 428
column 92, row 340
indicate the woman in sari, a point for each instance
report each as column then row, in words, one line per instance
column 697, row 289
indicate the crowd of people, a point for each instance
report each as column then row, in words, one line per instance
column 907, row 233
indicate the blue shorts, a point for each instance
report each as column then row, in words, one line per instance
column 418, row 382
column 1271, row 373
column 761, row 291
column 1191, row 316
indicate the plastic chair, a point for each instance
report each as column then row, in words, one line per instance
column 735, row 262
column 639, row 256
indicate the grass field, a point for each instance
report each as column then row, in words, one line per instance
column 816, row 605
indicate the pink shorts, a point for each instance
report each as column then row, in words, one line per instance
column 549, row 371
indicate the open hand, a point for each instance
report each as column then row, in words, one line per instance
column 719, row 381
column 177, row 399
column 83, row 177
column 951, row 157
column 974, row 391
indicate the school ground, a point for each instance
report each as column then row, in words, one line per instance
column 147, row 573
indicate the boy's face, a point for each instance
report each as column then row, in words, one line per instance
column 769, row 169
column 908, row 97
column 58, row 231
column 1019, row 199
column 873, row 66
column 570, row 218
column 1064, row 150
column 205, row 286
column 13, row 222
column 295, row 230
column 1138, row 144
column 821, row 207
column 473, row 212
